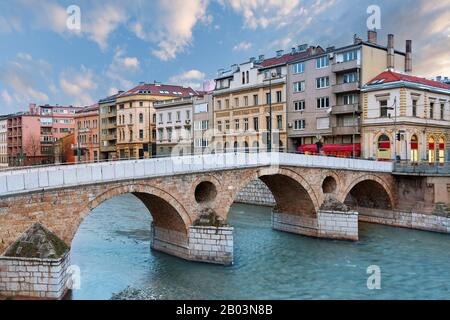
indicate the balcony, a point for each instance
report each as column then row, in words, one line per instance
column 345, row 87
column 348, row 130
column 345, row 108
column 345, row 66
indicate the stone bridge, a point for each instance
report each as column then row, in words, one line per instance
column 310, row 194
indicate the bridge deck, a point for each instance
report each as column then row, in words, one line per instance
column 34, row 179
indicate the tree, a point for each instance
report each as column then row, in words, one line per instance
column 32, row 150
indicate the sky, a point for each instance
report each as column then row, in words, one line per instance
column 45, row 59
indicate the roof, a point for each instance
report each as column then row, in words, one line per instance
column 287, row 57
column 392, row 76
column 160, row 90
column 91, row 108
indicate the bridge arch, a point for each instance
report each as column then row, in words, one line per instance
column 167, row 212
column 292, row 193
column 369, row 191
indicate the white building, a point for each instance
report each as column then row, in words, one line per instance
column 407, row 118
column 203, row 123
column 3, row 141
column 174, row 126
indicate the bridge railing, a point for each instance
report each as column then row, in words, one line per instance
column 32, row 179
column 422, row 168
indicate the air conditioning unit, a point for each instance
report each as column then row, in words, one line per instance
column 290, row 125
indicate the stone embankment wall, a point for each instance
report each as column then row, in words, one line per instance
column 257, row 193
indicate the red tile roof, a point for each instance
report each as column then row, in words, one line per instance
column 391, row 76
column 161, row 90
column 287, row 57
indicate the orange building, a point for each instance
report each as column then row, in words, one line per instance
column 87, row 140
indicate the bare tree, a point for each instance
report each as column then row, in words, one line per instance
column 32, row 149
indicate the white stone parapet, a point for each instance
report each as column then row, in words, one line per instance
column 53, row 177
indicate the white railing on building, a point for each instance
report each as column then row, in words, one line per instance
column 53, row 177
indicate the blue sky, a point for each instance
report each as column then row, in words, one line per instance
column 121, row 43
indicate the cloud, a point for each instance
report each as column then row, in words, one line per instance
column 120, row 66
column 192, row 78
column 78, row 85
column 171, row 37
column 242, row 46
column 6, row 97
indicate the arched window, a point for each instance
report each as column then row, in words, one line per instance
column 414, row 148
column 431, row 149
column 247, row 150
column 384, row 148
column 141, row 118
column 236, row 146
column 441, row 148
column 226, row 147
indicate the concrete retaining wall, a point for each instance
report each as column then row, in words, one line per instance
column 257, row 193
column 38, row 278
column 412, row 220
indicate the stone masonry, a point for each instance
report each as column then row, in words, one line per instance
column 257, row 193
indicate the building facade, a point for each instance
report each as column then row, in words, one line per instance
column 406, row 118
column 87, row 135
column 174, row 126
column 4, row 141
column 203, row 120
column 108, row 127
column 250, row 102
column 323, row 90
column 136, row 118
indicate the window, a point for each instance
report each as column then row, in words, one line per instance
column 154, row 118
column 188, row 114
column 349, row 121
column 383, row 109
column 322, row 62
column 322, row 82
column 219, row 126
column 169, row 134
column 236, row 102
column 141, row 118
column 160, row 118
column 279, row 122
column 299, row 86
column 279, row 96
column 219, row 104
column 323, row 123
column 227, row 125
column 201, row 108
column 178, row 116
column 350, row 99
column 323, row 102
column 255, row 99
column 350, row 55
column 236, row 124
column 350, row 77
column 141, row 134
column 256, row 124
column 298, row 68
column 248, row 77
column 442, row 111
column 299, row 124
column 227, row 103
column 243, row 77
column 431, row 110
column 268, row 123
column 246, row 101
column 268, row 97
column 131, row 118
column 414, row 108
column 141, row 104
column 169, row 117
column 245, row 124
column 299, row 105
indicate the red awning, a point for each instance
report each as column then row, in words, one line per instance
column 341, row 147
column 431, row 146
column 307, row 148
column 414, row 145
column 441, row 146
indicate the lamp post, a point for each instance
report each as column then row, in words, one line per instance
column 395, row 127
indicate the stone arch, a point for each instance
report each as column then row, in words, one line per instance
column 166, row 210
column 292, row 193
column 370, row 191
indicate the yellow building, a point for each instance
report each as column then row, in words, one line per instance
column 243, row 99
column 136, row 118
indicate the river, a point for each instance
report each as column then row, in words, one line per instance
column 112, row 249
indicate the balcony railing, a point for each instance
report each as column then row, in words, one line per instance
column 345, row 108
column 345, row 87
column 345, row 66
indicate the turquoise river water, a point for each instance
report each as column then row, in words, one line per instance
column 112, row 249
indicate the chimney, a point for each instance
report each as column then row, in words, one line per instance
column 302, row 47
column 356, row 39
column 252, row 59
column 390, row 53
column 261, row 57
column 408, row 58
column 293, row 50
column 280, row 53
column 372, row 36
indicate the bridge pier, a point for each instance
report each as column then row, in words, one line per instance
column 201, row 243
column 328, row 224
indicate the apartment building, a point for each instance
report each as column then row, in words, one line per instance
column 108, row 127
column 406, row 118
column 136, row 118
column 203, row 130
column 3, row 141
column 174, row 126
column 87, row 138
column 323, row 90
column 250, row 102
column 32, row 135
